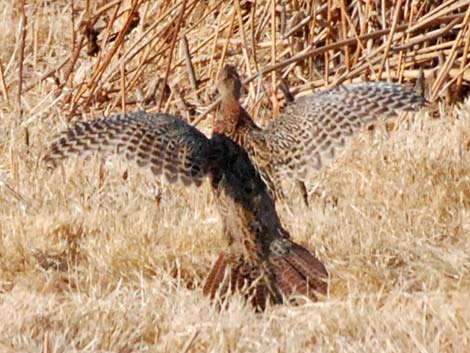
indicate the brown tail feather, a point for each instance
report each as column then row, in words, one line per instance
column 289, row 280
column 243, row 278
column 300, row 273
column 309, row 267
column 292, row 271
column 216, row 277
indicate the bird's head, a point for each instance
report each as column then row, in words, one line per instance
column 230, row 85
column 229, row 88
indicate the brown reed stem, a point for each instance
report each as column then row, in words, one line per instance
column 172, row 48
column 23, row 24
column 4, row 84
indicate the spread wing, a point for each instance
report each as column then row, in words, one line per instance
column 164, row 143
column 314, row 129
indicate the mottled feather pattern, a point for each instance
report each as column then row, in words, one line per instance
column 349, row 105
column 313, row 130
column 252, row 265
column 163, row 143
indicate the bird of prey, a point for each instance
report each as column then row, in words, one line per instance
column 311, row 131
column 260, row 261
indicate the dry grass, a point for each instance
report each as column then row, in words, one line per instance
column 105, row 258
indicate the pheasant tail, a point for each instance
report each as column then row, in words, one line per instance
column 299, row 272
column 228, row 276
column 293, row 272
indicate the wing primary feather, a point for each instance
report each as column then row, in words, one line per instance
column 164, row 143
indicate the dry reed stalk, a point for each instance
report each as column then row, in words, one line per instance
column 46, row 343
column 274, row 101
column 108, row 29
column 436, row 87
column 3, row 83
column 23, row 24
column 100, row 66
column 15, row 194
column 146, row 59
column 140, row 44
column 102, row 10
column 434, row 16
column 383, row 12
column 213, row 51
column 94, row 82
column 295, row 28
column 360, row 47
column 283, row 20
column 252, row 37
column 181, row 103
column 209, row 12
column 190, row 342
column 404, row 38
column 123, row 87
column 241, row 26
column 168, row 102
column 205, row 42
column 72, row 62
column 326, row 57
column 455, row 76
column 150, row 54
column 81, row 88
column 263, row 20
column 463, row 64
column 344, row 32
column 227, row 41
column 320, row 50
column 70, row 77
column 396, row 17
column 149, row 46
column 188, row 61
column 172, row 49
column 427, row 37
column 68, row 60
column 373, row 63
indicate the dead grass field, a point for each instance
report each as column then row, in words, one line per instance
column 104, row 258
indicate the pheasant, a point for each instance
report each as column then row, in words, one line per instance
column 311, row 131
column 261, row 261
